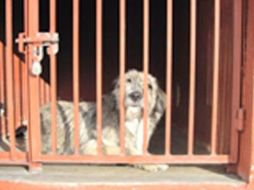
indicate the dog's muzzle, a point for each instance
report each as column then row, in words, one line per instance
column 135, row 96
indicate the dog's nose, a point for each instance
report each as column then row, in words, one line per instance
column 135, row 96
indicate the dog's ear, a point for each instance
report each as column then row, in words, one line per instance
column 160, row 101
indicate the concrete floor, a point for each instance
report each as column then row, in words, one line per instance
column 81, row 174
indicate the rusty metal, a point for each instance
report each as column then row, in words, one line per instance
column 34, row 145
column 237, row 113
column 53, row 79
column 122, row 57
column 192, row 91
column 38, row 42
column 25, row 74
column 42, row 38
column 9, row 79
column 99, row 13
column 113, row 159
column 17, row 91
column 76, row 73
column 20, row 157
column 31, row 43
column 2, row 91
column 169, row 76
column 146, row 44
column 216, row 60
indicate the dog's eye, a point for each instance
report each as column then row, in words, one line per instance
column 129, row 80
column 150, row 86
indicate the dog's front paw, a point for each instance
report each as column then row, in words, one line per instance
column 153, row 167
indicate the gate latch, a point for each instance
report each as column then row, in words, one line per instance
column 38, row 42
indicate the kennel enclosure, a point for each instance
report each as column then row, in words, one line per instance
column 53, row 50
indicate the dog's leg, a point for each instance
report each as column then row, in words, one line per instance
column 89, row 148
column 110, row 141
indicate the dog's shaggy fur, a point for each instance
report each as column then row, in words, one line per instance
column 133, row 103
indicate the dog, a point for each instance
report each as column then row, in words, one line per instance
column 133, row 104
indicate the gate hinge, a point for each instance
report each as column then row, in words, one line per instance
column 240, row 119
column 38, row 42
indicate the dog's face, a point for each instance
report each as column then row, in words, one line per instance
column 134, row 92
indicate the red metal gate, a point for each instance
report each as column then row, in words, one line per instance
column 31, row 43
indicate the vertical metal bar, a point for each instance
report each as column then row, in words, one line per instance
column 146, row 44
column 169, row 76
column 76, row 72
column 191, row 119
column 33, row 83
column 215, row 76
column 2, row 89
column 17, row 92
column 53, row 78
column 9, row 78
column 237, row 60
column 25, row 75
column 122, row 30
column 99, row 9
column 24, row 92
column 25, row 84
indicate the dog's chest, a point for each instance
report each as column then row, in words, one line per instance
column 135, row 128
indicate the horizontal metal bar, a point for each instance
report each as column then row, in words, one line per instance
column 152, row 159
column 19, row 156
column 13, row 163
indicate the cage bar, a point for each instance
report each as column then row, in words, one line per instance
column 2, row 89
column 237, row 61
column 9, row 77
column 76, row 72
column 25, row 74
column 53, row 80
column 141, row 159
column 169, row 76
column 32, row 26
column 24, row 78
column 192, row 92
column 216, row 60
column 99, row 9
column 146, row 44
column 17, row 90
column 122, row 30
